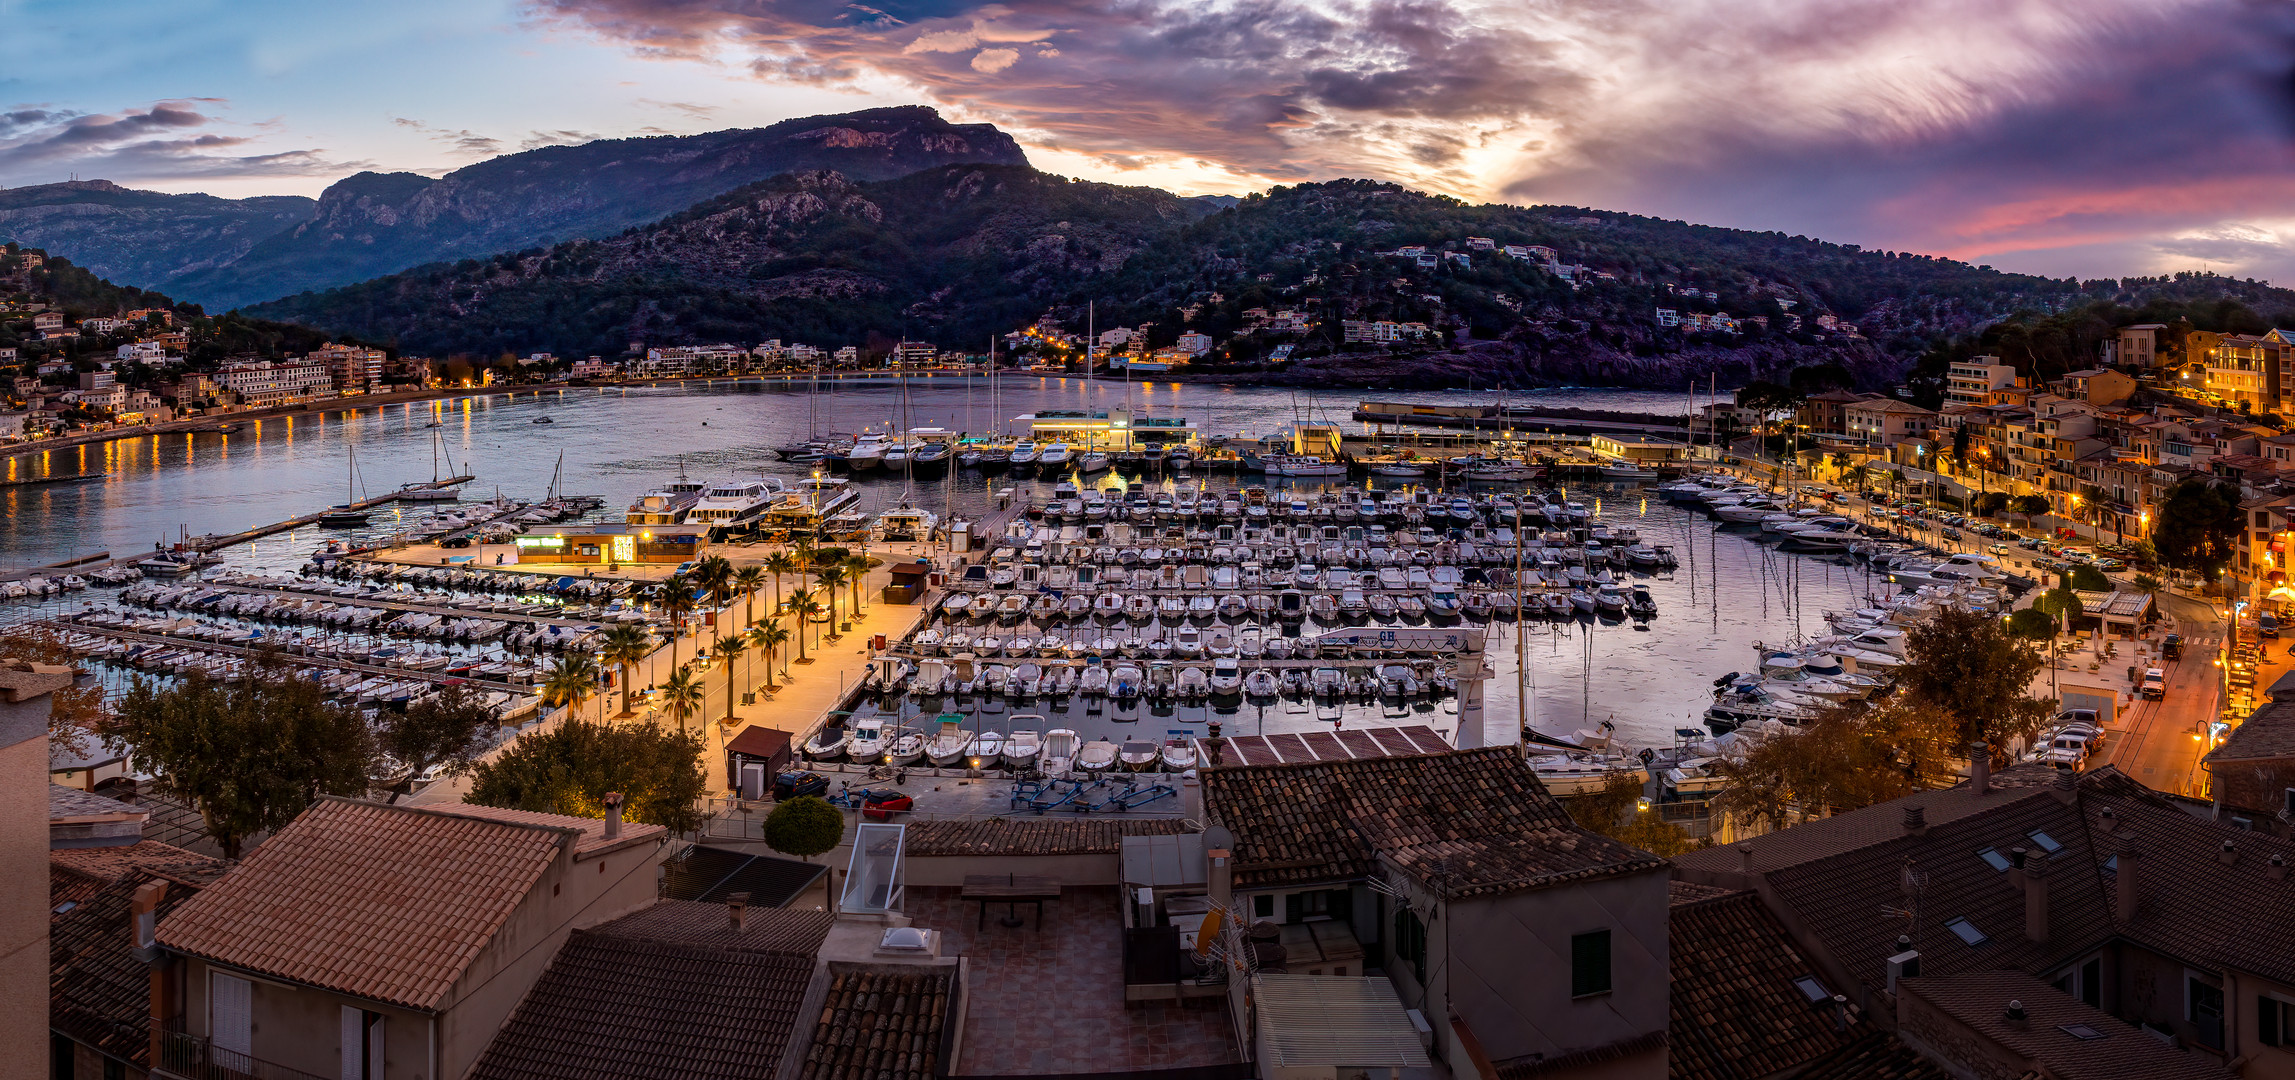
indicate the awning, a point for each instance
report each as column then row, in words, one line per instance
column 1311, row 1021
column 1164, row 862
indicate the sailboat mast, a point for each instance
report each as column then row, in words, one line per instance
column 1521, row 650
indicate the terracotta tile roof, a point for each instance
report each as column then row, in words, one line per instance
column 685, row 922
column 882, row 1025
column 384, row 902
column 593, row 830
column 2268, row 732
column 1480, row 814
column 614, row 1007
column 76, row 875
column 1877, row 1056
column 711, row 874
column 98, row 992
column 1846, row 832
column 1735, row 1011
column 1034, row 836
column 66, row 802
column 1688, row 892
column 1979, row 999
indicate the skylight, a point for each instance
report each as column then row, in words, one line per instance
column 2047, row 843
column 1812, row 989
column 1967, row 931
column 1993, row 858
column 2080, row 1031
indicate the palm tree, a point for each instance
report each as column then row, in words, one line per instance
column 682, row 695
column 627, row 646
column 714, row 574
column 801, row 601
column 780, row 565
column 730, row 647
column 770, row 637
column 831, row 577
column 571, row 681
column 857, row 572
column 747, row 581
column 677, row 600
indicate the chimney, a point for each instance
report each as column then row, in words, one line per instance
column 1980, row 767
column 2065, row 787
column 144, row 906
column 2229, row 856
column 2015, row 1016
column 613, row 815
column 2128, row 898
column 1904, row 965
column 2036, row 898
column 736, row 906
column 1745, row 857
column 2278, row 869
column 1916, row 821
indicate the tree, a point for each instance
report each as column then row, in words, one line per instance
column 856, row 575
column 729, row 648
column 2089, row 579
column 572, row 679
column 1829, row 761
column 801, row 602
column 2032, row 624
column 1968, row 670
column 747, row 581
column 770, row 637
column 2031, row 506
column 804, row 826
column 830, row 578
column 569, row 769
column 444, row 731
column 682, row 694
column 716, row 575
column 1616, row 811
column 248, row 753
column 677, row 601
column 2147, row 584
column 1859, row 474
column 626, row 646
column 780, row 565
column 2198, row 526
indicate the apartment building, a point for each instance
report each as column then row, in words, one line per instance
column 2136, row 348
column 2250, row 371
column 355, row 370
column 1827, row 413
column 1971, row 382
column 268, row 383
column 1884, row 422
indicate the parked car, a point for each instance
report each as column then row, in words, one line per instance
column 2029, row 543
column 2110, row 564
column 880, row 805
column 2171, row 647
column 2155, row 684
column 2066, row 751
column 790, row 785
column 2267, row 625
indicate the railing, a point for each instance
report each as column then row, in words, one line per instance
column 193, row 1057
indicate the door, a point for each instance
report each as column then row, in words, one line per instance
column 362, row 1045
column 230, row 1020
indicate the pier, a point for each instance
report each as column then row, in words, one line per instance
column 443, row 610
column 64, row 626
column 204, row 544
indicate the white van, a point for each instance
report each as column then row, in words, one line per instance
column 2155, row 684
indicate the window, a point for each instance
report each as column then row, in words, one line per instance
column 2080, row 1031
column 1993, row 858
column 59, row 1057
column 230, row 1020
column 115, row 1069
column 1263, row 906
column 2271, row 1021
column 1410, row 942
column 1590, row 963
column 2203, row 1007
column 2047, row 843
column 1967, row 931
column 362, row 1046
column 1812, row 989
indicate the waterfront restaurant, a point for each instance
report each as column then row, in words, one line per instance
column 1639, row 449
column 1112, row 431
column 610, row 543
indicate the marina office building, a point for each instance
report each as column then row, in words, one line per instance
column 1114, row 430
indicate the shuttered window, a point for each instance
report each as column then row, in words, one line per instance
column 1590, row 963
column 230, row 1019
column 2271, row 1021
column 1410, row 942
column 362, row 1046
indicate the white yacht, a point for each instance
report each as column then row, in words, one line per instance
column 907, row 523
column 735, row 503
column 1053, row 456
column 667, row 504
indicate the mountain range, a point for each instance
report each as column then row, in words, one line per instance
column 224, row 253
column 869, row 227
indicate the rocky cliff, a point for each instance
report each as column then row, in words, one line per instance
column 143, row 237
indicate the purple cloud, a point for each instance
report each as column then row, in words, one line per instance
column 39, row 145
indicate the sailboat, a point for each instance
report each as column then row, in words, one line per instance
column 347, row 514
column 431, row 492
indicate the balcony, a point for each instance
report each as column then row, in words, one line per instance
column 193, row 1057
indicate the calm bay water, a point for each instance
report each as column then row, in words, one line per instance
column 1729, row 593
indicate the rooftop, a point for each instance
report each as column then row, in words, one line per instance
column 1464, row 822
column 2268, row 732
column 1739, row 1006
column 98, row 992
column 2103, row 1047
column 1033, row 836
column 879, row 1024
column 671, row 991
column 389, row 903
column 1342, row 744
column 710, row 874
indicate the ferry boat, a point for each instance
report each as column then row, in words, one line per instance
column 735, row 504
column 907, row 523
column 666, row 505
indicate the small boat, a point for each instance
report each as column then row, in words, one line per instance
column 952, row 743
column 868, row 741
column 1178, row 755
column 1261, row 683
column 1058, row 754
column 1138, row 755
column 1023, row 745
column 905, row 748
column 830, row 741
column 1097, row 756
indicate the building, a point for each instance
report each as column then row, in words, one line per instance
column 48, row 322
column 1194, row 343
column 2250, row 371
column 1885, row 422
column 355, row 370
column 268, row 383
column 1638, row 449
column 2252, row 771
column 914, row 354
column 2100, row 386
column 1524, row 940
column 1971, row 382
column 96, row 380
column 592, row 368
column 24, row 906
column 370, row 940
column 2136, row 348
column 1826, row 413
column 2079, row 895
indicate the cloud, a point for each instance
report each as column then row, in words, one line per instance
column 460, row 140
column 535, row 140
column 2013, row 128
column 691, row 110
column 158, row 142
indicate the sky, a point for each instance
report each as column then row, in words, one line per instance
column 2090, row 138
